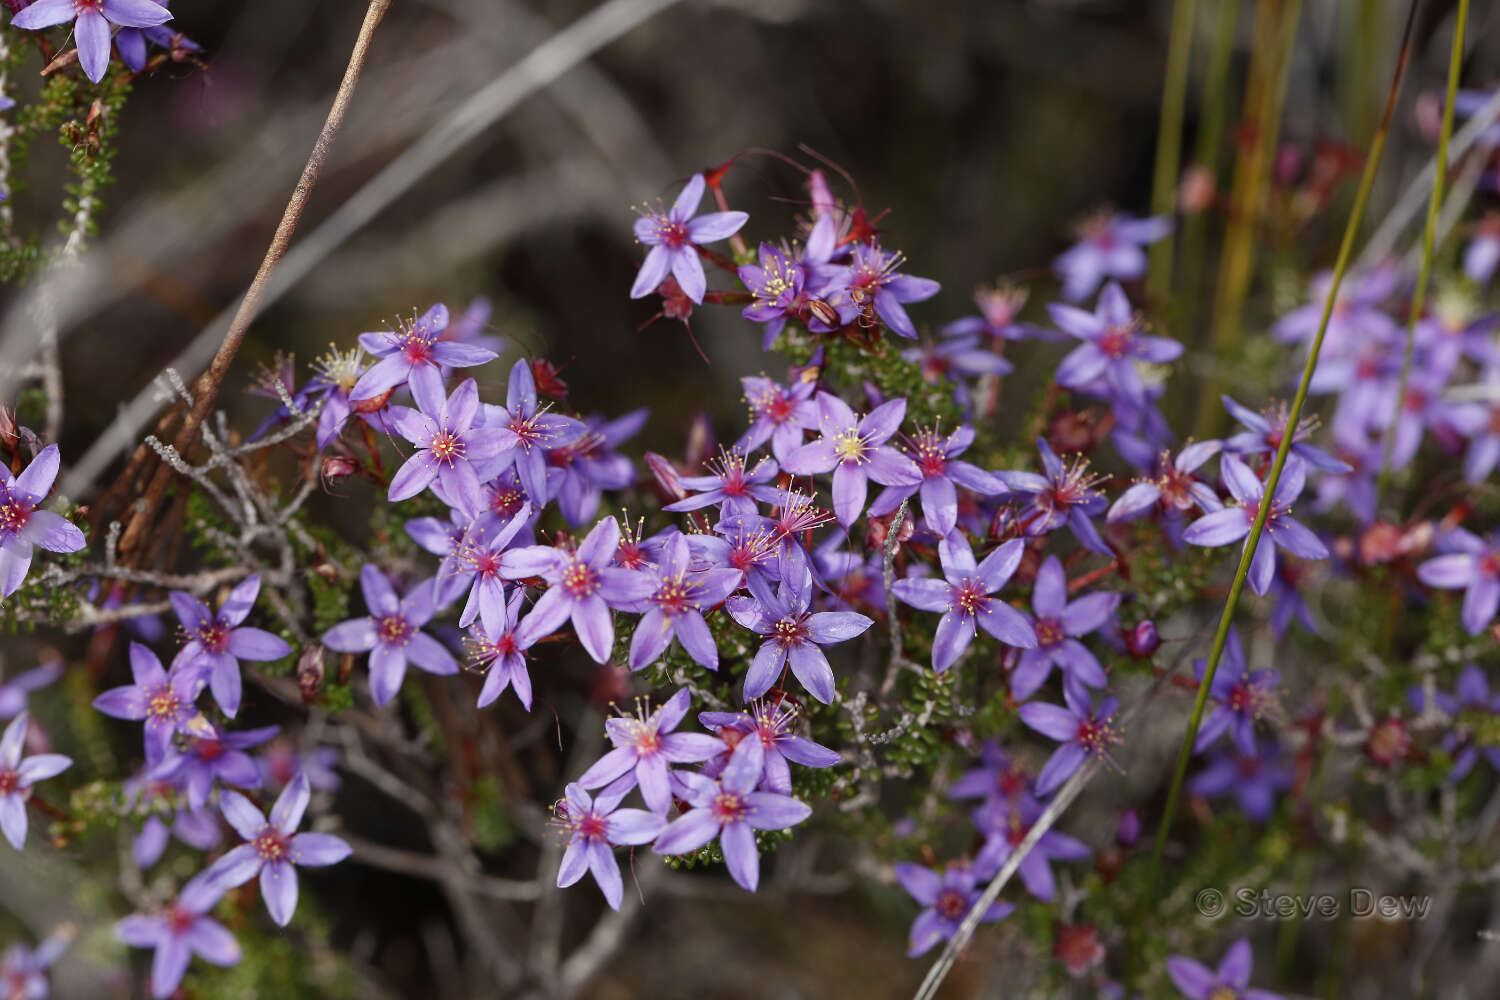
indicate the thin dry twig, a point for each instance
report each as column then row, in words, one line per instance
column 207, row 389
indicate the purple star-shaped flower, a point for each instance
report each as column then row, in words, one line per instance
column 1255, row 779
column 1468, row 708
column 91, row 24
column 644, row 746
column 779, row 414
column 22, row 525
column 1264, row 433
column 1082, row 731
column 1066, row 494
column 272, row 848
column 674, row 237
column 594, row 827
column 582, row 585
column 1176, row 489
column 675, row 609
column 747, row 545
column 936, row 458
column 947, row 899
column 178, row 932
column 730, row 485
column 530, row 430
column 1110, row 247
column 1230, row 981
column 854, row 449
column 772, row 725
column 391, row 633
column 163, row 700
column 450, row 444
column 219, row 758
column 476, row 559
column 778, row 283
column 999, row 779
column 415, row 353
column 1057, row 623
column 579, row 472
column 23, row 970
column 216, row 643
column 794, row 636
column 493, row 648
column 1227, row 526
column 871, row 283
column 1470, row 564
column 1004, row 828
column 1239, row 695
column 1112, row 345
column 963, row 597
column 15, row 692
column 17, row 776
column 731, row 810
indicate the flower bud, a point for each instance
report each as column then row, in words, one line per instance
column 310, row 673
column 1129, row 829
column 1142, row 641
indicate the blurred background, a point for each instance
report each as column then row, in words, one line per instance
column 988, row 128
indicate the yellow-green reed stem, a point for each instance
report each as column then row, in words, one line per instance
column 1429, row 238
column 1212, row 112
column 1221, row 635
column 1270, row 66
column 1169, row 146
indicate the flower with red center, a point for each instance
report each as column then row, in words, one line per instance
column 24, row 971
column 730, row 810
column 942, row 471
column 1229, row 525
column 747, row 545
column 794, row 636
column 475, row 560
column 1110, row 246
column 1004, row 827
column 731, row 485
column 582, row 586
column 163, row 700
column 593, row 828
column 1058, row 624
column 1112, row 345
column 218, row 757
column 674, row 236
column 1078, row 948
column 18, row 775
column 644, row 745
column 779, row 414
column 92, row 21
column 415, row 353
column 179, row 931
column 495, row 649
column 1066, row 494
column 1264, row 433
column 771, row 723
column 1082, row 730
column 391, row 633
column 963, row 597
column 1471, row 564
column 22, row 522
column 527, row 432
column 947, row 899
column 216, row 643
column 675, row 610
column 272, row 847
column 871, row 286
column 1175, row 490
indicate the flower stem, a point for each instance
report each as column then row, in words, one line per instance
column 1429, row 238
column 1231, row 603
column 1169, row 144
column 1271, row 58
column 1206, row 155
